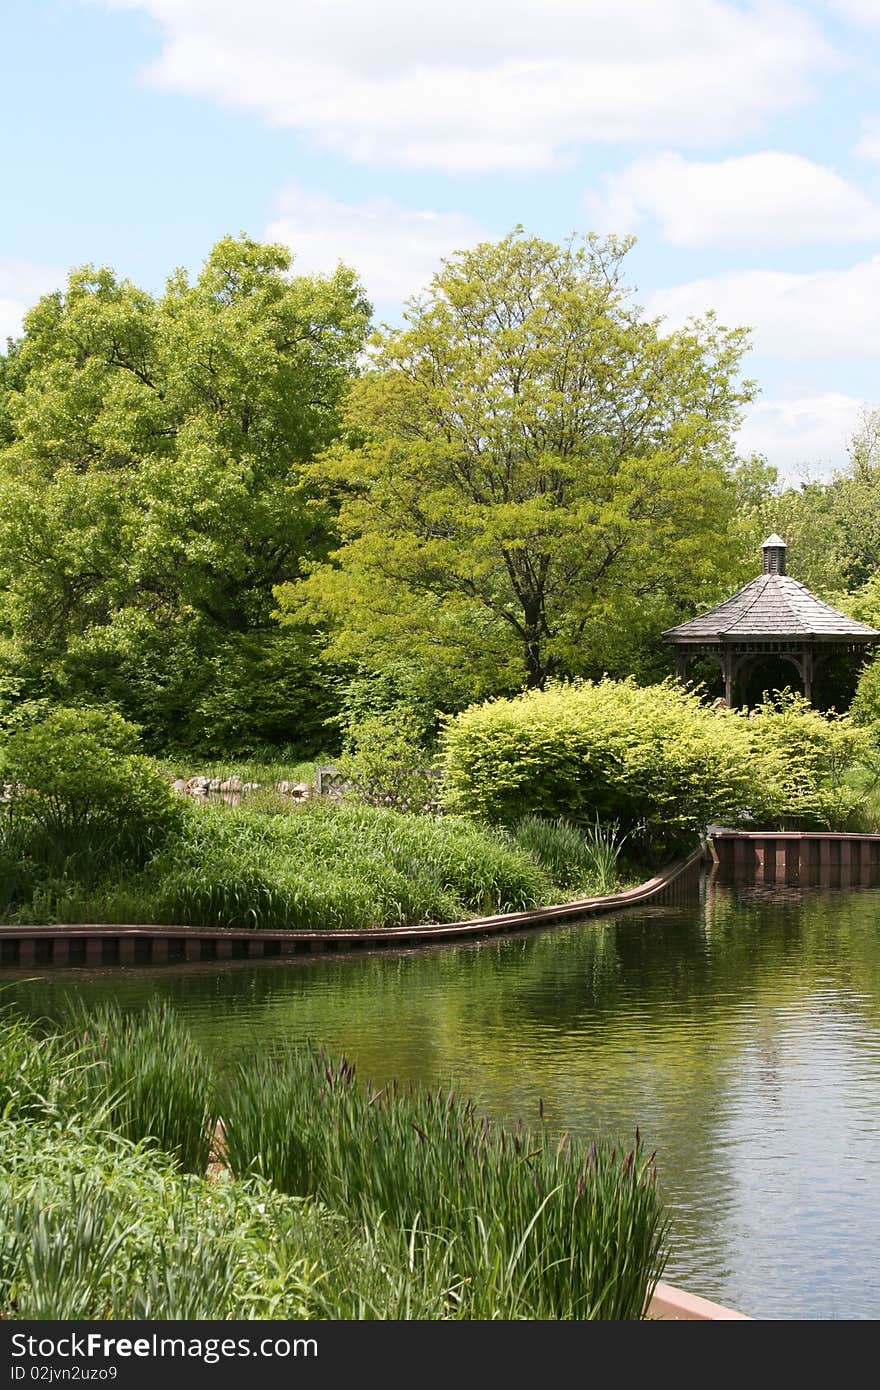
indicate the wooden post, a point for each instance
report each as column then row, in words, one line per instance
column 127, row 950
column 807, row 668
column 727, row 672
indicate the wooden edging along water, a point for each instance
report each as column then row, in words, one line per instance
column 101, row 944
column 796, row 858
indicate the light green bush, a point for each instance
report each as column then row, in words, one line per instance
column 386, row 762
column 655, row 759
column 865, row 707
column 809, row 754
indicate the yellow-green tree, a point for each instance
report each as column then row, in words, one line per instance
column 535, row 475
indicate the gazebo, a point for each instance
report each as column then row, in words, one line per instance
column 773, row 616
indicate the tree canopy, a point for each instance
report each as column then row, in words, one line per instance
column 534, row 474
column 151, row 490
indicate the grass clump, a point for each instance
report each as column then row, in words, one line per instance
column 531, row 1228
column 586, row 860
column 325, row 867
column 149, row 1078
column 337, row 1202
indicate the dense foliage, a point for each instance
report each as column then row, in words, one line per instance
column 151, row 494
column 657, row 760
column 81, row 801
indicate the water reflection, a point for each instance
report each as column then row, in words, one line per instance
column 740, row 1034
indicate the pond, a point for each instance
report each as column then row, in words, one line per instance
column 741, row 1034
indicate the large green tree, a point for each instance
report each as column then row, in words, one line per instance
column 535, row 475
column 151, row 489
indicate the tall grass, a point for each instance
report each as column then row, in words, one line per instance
column 150, row 1079
column 530, row 1228
column 326, row 867
column 586, row 860
column 39, row 1077
column 345, row 1203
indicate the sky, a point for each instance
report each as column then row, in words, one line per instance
column 739, row 143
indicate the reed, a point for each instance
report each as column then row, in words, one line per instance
column 146, row 1073
column 348, row 1201
column 586, row 860
column 38, row 1077
column 96, row 1227
column 533, row 1228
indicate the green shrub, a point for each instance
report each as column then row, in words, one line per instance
column 655, row 759
column 386, row 763
column 609, row 750
column 865, row 708
column 80, row 789
column 811, row 754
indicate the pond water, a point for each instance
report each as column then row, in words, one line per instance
column 741, row 1034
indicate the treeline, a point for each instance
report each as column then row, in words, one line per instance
column 231, row 515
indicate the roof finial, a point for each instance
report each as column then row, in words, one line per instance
column 774, row 549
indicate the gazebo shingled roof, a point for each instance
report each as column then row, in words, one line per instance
column 772, row 615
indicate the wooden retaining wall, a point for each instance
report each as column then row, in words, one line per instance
column 796, row 858
column 100, row 945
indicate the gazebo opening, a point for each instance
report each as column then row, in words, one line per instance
column 775, row 633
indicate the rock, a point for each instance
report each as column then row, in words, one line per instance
column 232, row 784
column 179, row 785
column 301, row 791
column 215, row 784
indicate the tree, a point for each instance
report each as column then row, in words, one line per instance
column 532, row 469
column 803, row 516
column 855, row 504
column 151, row 492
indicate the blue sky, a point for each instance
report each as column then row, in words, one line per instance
column 740, row 142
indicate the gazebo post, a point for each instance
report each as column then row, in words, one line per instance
column 727, row 672
column 807, row 669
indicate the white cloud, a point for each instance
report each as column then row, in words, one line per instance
column 860, row 11
column 499, row 84
column 806, row 430
column 395, row 250
column 766, row 199
column 21, row 284
column 868, row 146
column 823, row 314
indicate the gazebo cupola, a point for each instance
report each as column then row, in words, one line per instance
column 773, row 550
column 772, row 616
